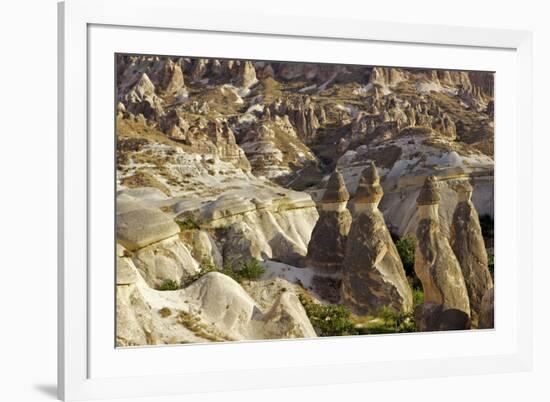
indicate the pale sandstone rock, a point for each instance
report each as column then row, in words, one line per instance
column 139, row 225
column 167, row 259
column 203, row 247
column 373, row 274
column 287, row 319
column 134, row 323
column 436, row 265
column 469, row 247
column 125, row 271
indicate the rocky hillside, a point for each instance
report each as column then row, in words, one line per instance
column 221, row 173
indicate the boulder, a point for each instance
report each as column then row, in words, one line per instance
column 373, row 274
column 139, row 225
column 436, row 265
column 469, row 248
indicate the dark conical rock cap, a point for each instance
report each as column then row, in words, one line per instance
column 369, row 190
column 428, row 193
column 336, row 190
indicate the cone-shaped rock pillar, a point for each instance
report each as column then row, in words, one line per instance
column 469, row 247
column 373, row 275
column 328, row 239
column 446, row 304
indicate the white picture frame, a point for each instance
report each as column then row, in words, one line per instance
column 87, row 366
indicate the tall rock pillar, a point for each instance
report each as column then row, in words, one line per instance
column 469, row 247
column 328, row 239
column 446, row 304
column 373, row 275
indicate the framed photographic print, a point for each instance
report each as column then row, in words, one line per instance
column 281, row 201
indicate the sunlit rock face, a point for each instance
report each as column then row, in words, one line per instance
column 373, row 274
column 438, row 268
column 469, row 248
column 328, row 240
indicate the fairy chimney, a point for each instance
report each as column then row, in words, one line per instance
column 328, row 239
column 469, row 247
column 373, row 275
column 445, row 293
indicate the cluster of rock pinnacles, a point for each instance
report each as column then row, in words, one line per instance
column 457, row 284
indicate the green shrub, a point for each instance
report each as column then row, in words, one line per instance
column 418, row 296
column 169, row 284
column 405, row 247
column 188, row 224
column 250, row 270
column 329, row 319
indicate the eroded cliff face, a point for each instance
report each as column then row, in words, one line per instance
column 220, row 162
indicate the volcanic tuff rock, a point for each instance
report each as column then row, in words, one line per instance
column 328, row 240
column 213, row 308
column 373, row 274
column 469, row 248
column 436, row 265
column 487, row 312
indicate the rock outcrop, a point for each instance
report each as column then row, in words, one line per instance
column 487, row 311
column 327, row 246
column 373, row 275
column 469, row 248
column 437, row 267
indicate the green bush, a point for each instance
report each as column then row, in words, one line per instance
column 329, row 319
column 169, row 284
column 405, row 247
column 188, row 224
column 250, row 270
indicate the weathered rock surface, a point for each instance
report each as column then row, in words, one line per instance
column 213, row 308
column 139, row 225
column 166, row 260
column 203, row 247
column 327, row 246
column 373, row 274
column 436, row 265
column 487, row 312
column 469, row 248
column 287, row 319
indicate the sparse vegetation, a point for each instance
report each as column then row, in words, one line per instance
column 165, row 312
column 169, row 284
column 188, row 224
column 329, row 319
column 246, row 270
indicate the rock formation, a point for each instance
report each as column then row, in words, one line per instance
column 373, row 274
column 438, row 269
column 487, row 311
column 469, row 248
column 328, row 240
